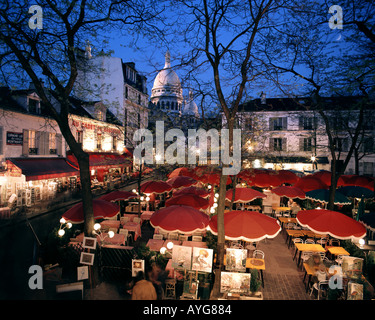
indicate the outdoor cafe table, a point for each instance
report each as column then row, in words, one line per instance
column 133, row 227
column 287, row 220
column 110, row 224
column 199, row 244
column 155, row 244
column 335, row 251
column 146, row 215
column 117, row 239
column 131, row 216
column 301, row 247
column 293, row 233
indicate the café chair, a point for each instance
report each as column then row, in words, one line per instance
column 258, row 254
column 308, row 240
column 158, row 236
column 183, row 238
column 127, row 235
column 320, row 287
column 137, row 219
column 173, row 236
column 196, row 238
column 306, row 255
column 322, row 241
column 334, row 242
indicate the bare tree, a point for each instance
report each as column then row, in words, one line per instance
column 224, row 38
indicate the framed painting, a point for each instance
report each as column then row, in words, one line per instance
column 234, row 282
column 202, row 259
column 87, row 258
column 181, row 257
column 89, row 243
column 236, row 260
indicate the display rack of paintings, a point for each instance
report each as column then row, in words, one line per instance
column 236, row 260
column 137, row 265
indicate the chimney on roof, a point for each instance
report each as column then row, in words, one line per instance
column 263, row 98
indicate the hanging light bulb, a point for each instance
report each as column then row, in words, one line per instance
column 111, row 234
column 62, row 220
column 163, row 250
column 61, row 232
column 97, row 226
column 170, row 245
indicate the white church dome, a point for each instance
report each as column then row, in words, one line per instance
column 191, row 108
column 167, row 81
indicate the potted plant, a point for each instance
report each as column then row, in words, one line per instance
column 255, row 284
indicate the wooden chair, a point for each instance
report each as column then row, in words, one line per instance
column 158, row 236
column 258, row 254
column 196, row 238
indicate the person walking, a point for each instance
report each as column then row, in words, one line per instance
column 143, row 289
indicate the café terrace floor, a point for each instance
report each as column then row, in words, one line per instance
column 283, row 280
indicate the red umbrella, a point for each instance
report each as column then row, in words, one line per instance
column 118, row 195
column 213, row 178
column 247, row 225
column 192, row 190
column 102, row 209
column 334, row 223
column 358, row 181
column 244, row 195
column 265, row 179
column 183, row 171
column 179, row 218
column 308, row 183
column 157, row 187
column 188, row 200
column 287, row 176
column 324, row 176
column 289, row 192
column 181, row 181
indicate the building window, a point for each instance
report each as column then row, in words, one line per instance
column 248, row 124
column 306, row 123
column 114, row 143
column 277, row 124
column 341, row 144
column 99, row 141
column 368, row 145
column 306, row 144
column 368, row 168
column 52, row 143
column 278, row 144
column 79, row 137
column 32, row 142
column 33, row 106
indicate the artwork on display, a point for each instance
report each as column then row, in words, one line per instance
column 137, row 265
column 89, row 243
column 181, row 257
column 235, row 282
column 202, row 259
column 87, row 258
column 82, row 273
column 355, row 291
column 352, row 267
column 190, row 289
column 236, row 260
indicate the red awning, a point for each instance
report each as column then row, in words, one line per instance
column 44, row 168
column 101, row 160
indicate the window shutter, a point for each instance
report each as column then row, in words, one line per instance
column 283, row 144
column 271, row 124
column 25, row 143
column 300, row 123
column 301, row 144
column 271, row 143
column 59, row 143
column 285, row 123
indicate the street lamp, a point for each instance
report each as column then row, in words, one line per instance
column 313, row 159
column 61, row 231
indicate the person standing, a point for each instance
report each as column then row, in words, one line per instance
column 143, row 289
